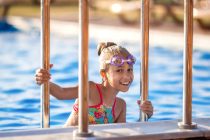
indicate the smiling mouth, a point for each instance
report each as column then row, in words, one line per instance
column 125, row 83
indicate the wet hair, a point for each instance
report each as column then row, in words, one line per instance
column 107, row 50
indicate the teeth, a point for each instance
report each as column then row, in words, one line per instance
column 126, row 83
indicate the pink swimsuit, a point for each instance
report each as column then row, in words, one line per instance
column 99, row 114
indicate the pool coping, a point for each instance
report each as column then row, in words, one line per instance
column 174, row 40
column 123, row 131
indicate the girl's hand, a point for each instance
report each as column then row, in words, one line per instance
column 146, row 107
column 42, row 75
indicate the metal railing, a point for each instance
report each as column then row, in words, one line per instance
column 83, row 70
column 144, row 54
column 83, row 64
column 187, row 67
column 45, row 62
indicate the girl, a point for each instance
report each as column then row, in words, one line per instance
column 116, row 70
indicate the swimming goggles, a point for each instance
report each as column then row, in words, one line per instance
column 119, row 61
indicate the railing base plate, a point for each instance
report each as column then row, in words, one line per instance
column 82, row 134
column 187, row 126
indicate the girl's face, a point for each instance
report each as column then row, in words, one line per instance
column 120, row 77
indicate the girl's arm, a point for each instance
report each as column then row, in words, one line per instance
column 43, row 76
column 121, row 105
column 63, row 93
column 69, row 92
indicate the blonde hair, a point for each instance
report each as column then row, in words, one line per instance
column 107, row 50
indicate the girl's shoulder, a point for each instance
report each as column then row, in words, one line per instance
column 92, row 87
column 94, row 95
column 120, row 102
column 120, row 110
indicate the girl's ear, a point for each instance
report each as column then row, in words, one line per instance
column 102, row 73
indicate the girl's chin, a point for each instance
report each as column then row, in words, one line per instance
column 124, row 90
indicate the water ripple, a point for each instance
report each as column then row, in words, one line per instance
column 20, row 110
column 13, row 91
column 205, row 56
column 67, row 80
column 202, row 79
column 29, row 101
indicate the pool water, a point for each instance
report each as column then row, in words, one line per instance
column 20, row 96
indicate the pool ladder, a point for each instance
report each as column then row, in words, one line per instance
column 83, row 131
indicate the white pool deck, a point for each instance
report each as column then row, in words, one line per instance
column 174, row 40
column 123, row 131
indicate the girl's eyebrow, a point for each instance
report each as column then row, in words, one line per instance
column 119, row 67
column 123, row 66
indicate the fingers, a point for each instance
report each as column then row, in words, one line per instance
column 147, row 108
column 51, row 65
column 146, row 103
column 42, row 76
column 42, row 79
column 138, row 102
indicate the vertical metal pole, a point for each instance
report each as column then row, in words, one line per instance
column 83, row 66
column 45, row 61
column 187, row 68
column 145, row 53
column 83, row 71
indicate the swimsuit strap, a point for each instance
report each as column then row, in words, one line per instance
column 75, row 106
column 113, row 111
column 100, row 93
column 101, row 99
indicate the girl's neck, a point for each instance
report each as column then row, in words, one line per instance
column 109, row 94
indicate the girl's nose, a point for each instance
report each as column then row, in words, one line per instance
column 127, row 75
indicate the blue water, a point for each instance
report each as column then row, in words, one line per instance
column 20, row 96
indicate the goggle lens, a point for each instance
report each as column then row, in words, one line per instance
column 131, row 60
column 119, row 61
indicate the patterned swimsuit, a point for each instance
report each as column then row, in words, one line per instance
column 99, row 114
